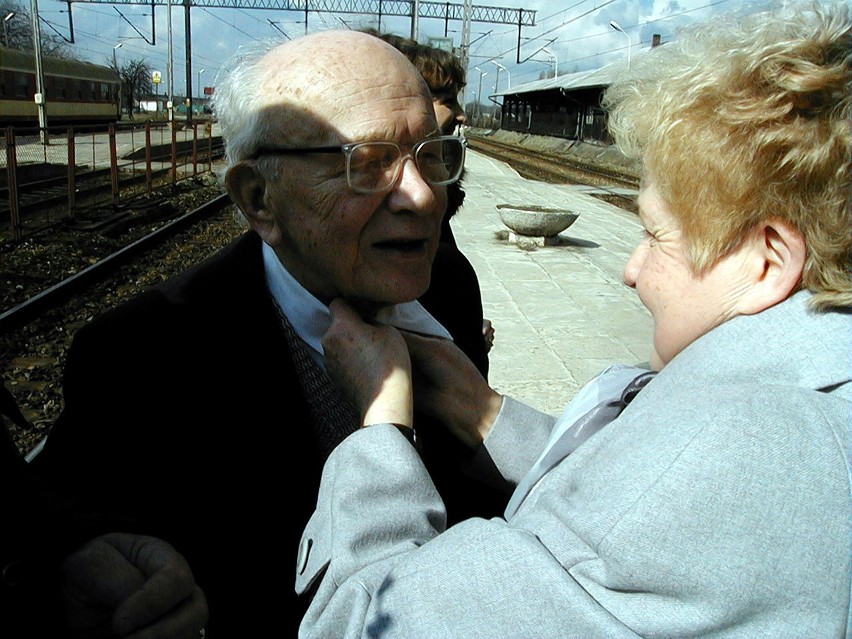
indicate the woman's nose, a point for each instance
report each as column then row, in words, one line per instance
column 632, row 266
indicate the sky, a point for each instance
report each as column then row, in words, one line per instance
column 568, row 36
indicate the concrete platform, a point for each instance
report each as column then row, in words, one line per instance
column 561, row 312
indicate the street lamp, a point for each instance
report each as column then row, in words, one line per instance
column 200, row 92
column 555, row 60
column 39, row 96
column 115, row 66
column 482, row 74
column 171, row 64
column 508, row 75
column 618, row 28
column 6, row 19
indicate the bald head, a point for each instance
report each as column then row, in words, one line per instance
column 317, row 89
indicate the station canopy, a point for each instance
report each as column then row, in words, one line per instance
column 600, row 77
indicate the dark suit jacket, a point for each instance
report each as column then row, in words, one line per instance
column 183, row 411
column 39, row 529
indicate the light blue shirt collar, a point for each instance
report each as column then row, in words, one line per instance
column 311, row 318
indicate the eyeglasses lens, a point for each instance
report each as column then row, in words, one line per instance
column 375, row 166
column 372, row 166
column 434, row 159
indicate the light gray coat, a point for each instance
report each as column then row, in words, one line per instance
column 717, row 505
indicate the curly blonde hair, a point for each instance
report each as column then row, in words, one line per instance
column 744, row 121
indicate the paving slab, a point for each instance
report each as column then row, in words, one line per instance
column 561, row 313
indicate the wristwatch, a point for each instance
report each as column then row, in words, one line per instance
column 410, row 435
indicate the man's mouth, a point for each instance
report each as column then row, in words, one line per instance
column 402, row 246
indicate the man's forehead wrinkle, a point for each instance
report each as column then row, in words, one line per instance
column 288, row 103
column 403, row 124
column 347, row 89
column 342, row 87
column 362, row 113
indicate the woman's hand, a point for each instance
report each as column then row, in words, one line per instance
column 370, row 364
column 450, row 388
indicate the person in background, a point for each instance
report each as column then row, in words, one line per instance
column 202, row 407
column 63, row 577
column 707, row 497
column 443, row 72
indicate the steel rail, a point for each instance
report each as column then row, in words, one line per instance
column 50, row 298
column 561, row 165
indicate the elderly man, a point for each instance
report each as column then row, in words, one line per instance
column 202, row 409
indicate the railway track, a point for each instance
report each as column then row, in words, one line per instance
column 617, row 187
column 36, row 333
column 104, row 268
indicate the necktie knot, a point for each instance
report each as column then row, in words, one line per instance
column 633, row 388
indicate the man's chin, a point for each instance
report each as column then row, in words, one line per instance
column 369, row 305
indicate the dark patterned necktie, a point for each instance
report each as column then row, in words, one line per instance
column 333, row 416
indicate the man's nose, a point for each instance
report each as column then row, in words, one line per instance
column 411, row 190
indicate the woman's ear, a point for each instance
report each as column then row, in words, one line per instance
column 248, row 189
column 777, row 259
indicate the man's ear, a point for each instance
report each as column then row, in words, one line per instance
column 247, row 188
column 776, row 261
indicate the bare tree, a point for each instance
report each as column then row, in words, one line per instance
column 18, row 31
column 136, row 80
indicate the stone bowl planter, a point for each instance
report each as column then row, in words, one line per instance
column 535, row 221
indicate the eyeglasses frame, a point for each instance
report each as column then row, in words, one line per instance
column 349, row 147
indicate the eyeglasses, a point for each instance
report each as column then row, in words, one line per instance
column 373, row 167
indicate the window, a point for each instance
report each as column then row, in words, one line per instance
column 21, row 86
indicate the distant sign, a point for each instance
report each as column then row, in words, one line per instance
column 442, row 43
column 208, row 90
column 156, row 77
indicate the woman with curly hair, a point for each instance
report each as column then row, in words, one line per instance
column 706, row 497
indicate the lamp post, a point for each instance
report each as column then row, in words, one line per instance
column 415, row 20
column 171, row 63
column 508, row 75
column 200, row 92
column 500, row 67
column 115, row 66
column 618, row 28
column 555, row 60
column 6, row 19
column 39, row 96
column 482, row 74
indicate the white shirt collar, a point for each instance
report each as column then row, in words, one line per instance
column 311, row 318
